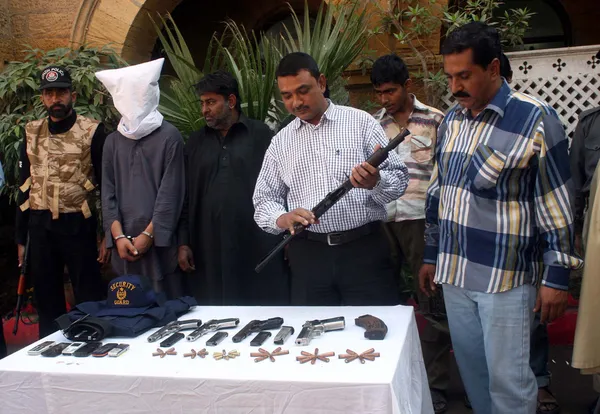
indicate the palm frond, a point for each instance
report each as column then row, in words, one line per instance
column 335, row 39
column 253, row 62
column 179, row 103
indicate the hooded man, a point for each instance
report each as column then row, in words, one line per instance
column 143, row 181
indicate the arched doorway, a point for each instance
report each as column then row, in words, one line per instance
column 126, row 24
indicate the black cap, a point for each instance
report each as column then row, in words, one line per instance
column 55, row 77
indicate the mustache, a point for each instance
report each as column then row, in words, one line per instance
column 301, row 108
column 461, row 94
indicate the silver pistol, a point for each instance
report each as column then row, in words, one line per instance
column 211, row 326
column 312, row 329
column 173, row 327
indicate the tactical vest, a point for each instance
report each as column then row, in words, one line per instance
column 61, row 167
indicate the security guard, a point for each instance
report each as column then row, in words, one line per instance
column 585, row 153
column 60, row 162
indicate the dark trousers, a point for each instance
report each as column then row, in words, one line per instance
column 358, row 273
column 49, row 252
column 407, row 240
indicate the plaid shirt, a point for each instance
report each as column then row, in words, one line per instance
column 417, row 153
column 305, row 162
column 498, row 209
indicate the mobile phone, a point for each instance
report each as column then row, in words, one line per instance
column 103, row 350
column 38, row 349
column 284, row 333
column 217, row 338
column 118, row 350
column 87, row 349
column 55, row 350
column 260, row 338
column 176, row 337
column 72, row 348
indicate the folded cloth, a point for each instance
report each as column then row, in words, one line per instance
column 131, row 309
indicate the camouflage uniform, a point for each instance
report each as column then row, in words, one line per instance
column 59, row 169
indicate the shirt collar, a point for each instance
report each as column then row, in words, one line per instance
column 330, row 114
column 242, row 119
column 498, row 102
column 417, row 105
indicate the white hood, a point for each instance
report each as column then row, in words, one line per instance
column 135, row 93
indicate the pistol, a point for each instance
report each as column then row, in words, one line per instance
column 174, row 326
column 211, row 326
column 375, row 327
column 257, row 326
column 311, row 329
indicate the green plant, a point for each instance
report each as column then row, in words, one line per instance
column 335, row 38
column 179, row 103
column 20, row 99
column 412, row 22
column 253, row 61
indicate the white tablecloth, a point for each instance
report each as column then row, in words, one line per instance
column 136, row 382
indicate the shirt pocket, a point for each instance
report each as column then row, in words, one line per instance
column 341, row 161
column 421, row 149
column 485, row 167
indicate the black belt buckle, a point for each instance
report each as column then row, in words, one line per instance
column 334, row 239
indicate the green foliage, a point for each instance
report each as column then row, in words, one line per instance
column 179, row 103
column 335, row 39
column 412, row 25
column 253, row 61
column 20, row 98
column 512, row 25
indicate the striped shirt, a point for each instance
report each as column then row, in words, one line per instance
column 305, row 162
column 417, row 154
column 498, row 211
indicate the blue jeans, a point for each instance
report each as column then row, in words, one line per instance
column 539, row 352
column 491, row 336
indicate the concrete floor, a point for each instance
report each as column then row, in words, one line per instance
column 573, row 391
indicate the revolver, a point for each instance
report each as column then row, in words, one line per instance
column 174, row 326
column 211, row 326
column 257, row 326
column 311, row 329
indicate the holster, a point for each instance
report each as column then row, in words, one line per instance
column 85, row 329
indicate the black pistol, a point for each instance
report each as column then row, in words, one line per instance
column 257, row 326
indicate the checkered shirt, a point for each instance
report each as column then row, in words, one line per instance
column 305, row 162
column 417, row 153
column 498, row 208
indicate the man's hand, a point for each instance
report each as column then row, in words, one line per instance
column 126, row 250
column 21, row 253
column 104, row 254
column 552, row 303
column 299, row 215
column 364, row 175
column 185, row 257
column 426, row 277
column 142, row 243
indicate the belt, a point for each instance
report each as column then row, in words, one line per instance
column 342, row 237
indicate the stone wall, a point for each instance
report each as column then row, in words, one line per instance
column 6, row 42
column 41, row 24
